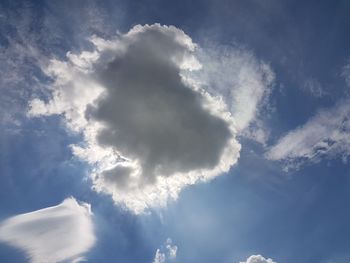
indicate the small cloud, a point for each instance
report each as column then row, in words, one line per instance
column 258, row 259
column 172, row 249
column 167, row 252
column 52, row 234
column 159, row 257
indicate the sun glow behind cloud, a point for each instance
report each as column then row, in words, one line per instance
column 150, row 127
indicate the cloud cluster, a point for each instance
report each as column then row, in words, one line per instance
column 167, row 253
column 150, row 126
column 258, row 259
column 325, row 135
column 53, row 234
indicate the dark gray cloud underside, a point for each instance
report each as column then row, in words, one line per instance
column 151, row 115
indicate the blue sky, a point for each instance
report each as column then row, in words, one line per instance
column 175, row 131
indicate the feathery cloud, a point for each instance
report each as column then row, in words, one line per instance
column 326, row 135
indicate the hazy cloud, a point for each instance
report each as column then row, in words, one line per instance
column 314, row 88
column 53, row 234
column 346, row 74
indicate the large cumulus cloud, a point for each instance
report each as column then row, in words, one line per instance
column 150, row 115
column 53, row 234
column 150, row 127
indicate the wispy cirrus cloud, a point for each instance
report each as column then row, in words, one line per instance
column 326, row 135
column 346, row 74
column 314, row 88
column 25, row 42
column 53, row 234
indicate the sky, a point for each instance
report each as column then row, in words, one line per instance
column 174, row 131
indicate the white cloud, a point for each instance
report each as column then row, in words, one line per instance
column 258, row 259
column 165, row 253
column 53, row 234
column 147, row 131
column 325, row 135
column 150, row 127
